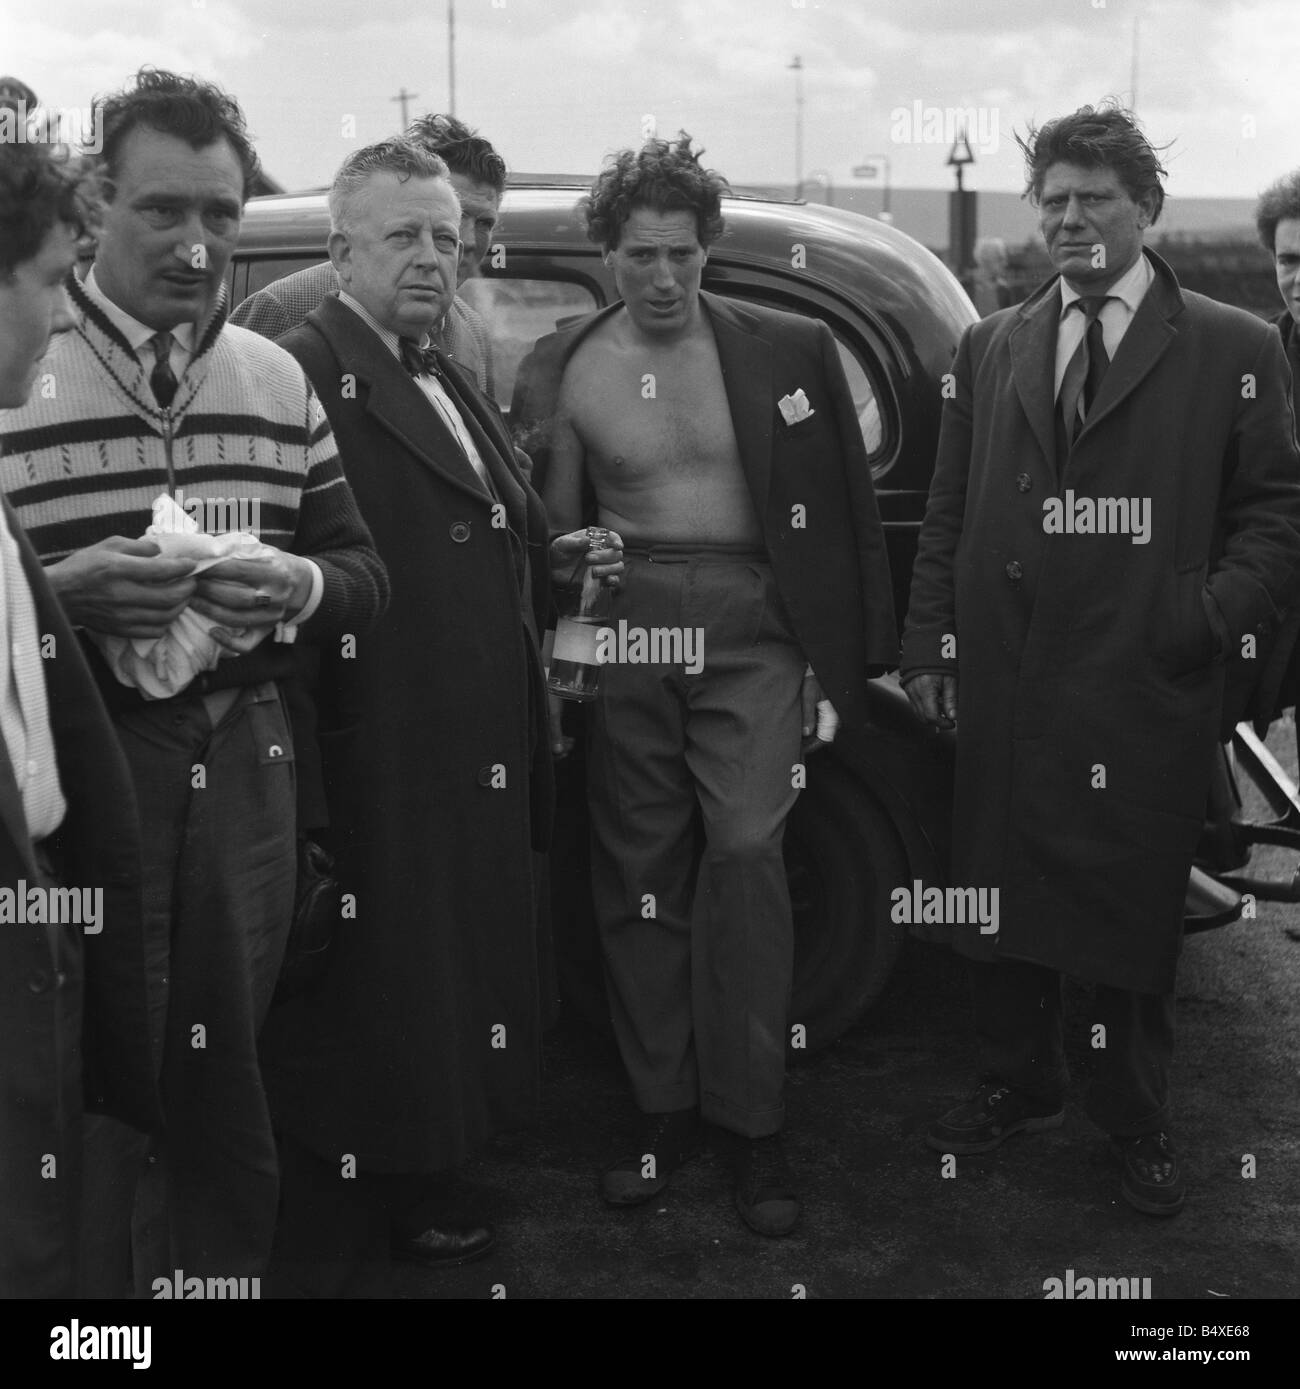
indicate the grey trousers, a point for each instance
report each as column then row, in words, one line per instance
column 219, row 836
column 698, row 949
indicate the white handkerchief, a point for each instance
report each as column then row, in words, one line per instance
column 160, row 667
column 795, row 408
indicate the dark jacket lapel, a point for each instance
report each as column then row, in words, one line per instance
column 491, row 439
column 392, row 397
column 1033, row 364
column 1146, row 341
column 746, row 362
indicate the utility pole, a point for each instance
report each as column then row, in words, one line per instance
column 404, row 97
column 451, row 57
column 1133, row 69
column 797, row 68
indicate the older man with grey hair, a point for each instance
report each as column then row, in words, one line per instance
column 422, row 1039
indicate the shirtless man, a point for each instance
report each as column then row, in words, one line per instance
column 707, row 431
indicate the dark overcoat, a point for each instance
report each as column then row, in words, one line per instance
column 810, row 481
column 1091, row 668
column 75, row 1029
column 422, row 1039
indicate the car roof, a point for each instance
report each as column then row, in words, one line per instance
column 845, row 253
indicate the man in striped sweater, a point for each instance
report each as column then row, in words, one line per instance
column 153, row 392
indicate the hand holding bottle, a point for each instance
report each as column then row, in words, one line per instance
column 605, row 562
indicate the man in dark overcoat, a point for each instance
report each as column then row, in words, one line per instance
column 1115, row 509
column 422, row 1039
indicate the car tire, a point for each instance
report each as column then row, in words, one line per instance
column 843, row 859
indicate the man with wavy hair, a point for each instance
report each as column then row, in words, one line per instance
column 151, row 392
column 1114, row 517
column 720, row 440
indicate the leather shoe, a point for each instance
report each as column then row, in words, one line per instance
column 1153, row 1181
column 765, row 1196
column 989, row 1117
column 663, row 1143
column 445, row 1248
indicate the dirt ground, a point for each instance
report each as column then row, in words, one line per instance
column 880, row 1220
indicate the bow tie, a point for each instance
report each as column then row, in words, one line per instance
column 420, row 361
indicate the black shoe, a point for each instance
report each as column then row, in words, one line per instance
column 1153, row 1180
column 663, row 1143
column 437, row 1248
column 765, row 1194
column 988, row 1118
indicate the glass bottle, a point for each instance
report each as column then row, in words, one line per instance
column 575, row 667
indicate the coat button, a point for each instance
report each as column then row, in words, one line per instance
column 459, row 532
column 1014, row 571
column 485, row 776
column 1024, row 482
column 38, row 982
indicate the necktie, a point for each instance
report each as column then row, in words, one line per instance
column 1083, row 374
column 420, row 361
column 162, row 380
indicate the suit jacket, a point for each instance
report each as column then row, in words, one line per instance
column 72, row 1029
column 810, row 482
column 1259, row 689
column 438, row 775
column 285, row 302
column 1091, row 668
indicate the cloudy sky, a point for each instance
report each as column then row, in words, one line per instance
column 558, row 84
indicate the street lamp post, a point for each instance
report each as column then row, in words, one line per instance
column 827, row 181
column 797, row 68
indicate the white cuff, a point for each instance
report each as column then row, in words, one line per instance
column 287, row 631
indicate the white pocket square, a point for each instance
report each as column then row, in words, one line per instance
column 795, row 408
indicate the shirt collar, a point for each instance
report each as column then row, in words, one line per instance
column 1131, row 286
column 390, row 339
column 136, row 333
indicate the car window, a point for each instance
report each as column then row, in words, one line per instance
column 864, row 400
column 518, row 312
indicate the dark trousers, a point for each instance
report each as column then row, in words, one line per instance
column 1018, row 1026
column 699, row 965
column 337, row 1224
column 217, row 810
column 41, row 1124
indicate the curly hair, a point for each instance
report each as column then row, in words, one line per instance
column 663, row 175
column 464, row 150
column 199, row 113
column 1096, row 137
column 1279, row 202
column 38, row 187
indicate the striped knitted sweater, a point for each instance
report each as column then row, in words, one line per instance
column 244, row 445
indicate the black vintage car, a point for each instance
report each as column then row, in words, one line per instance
column 876, row 812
